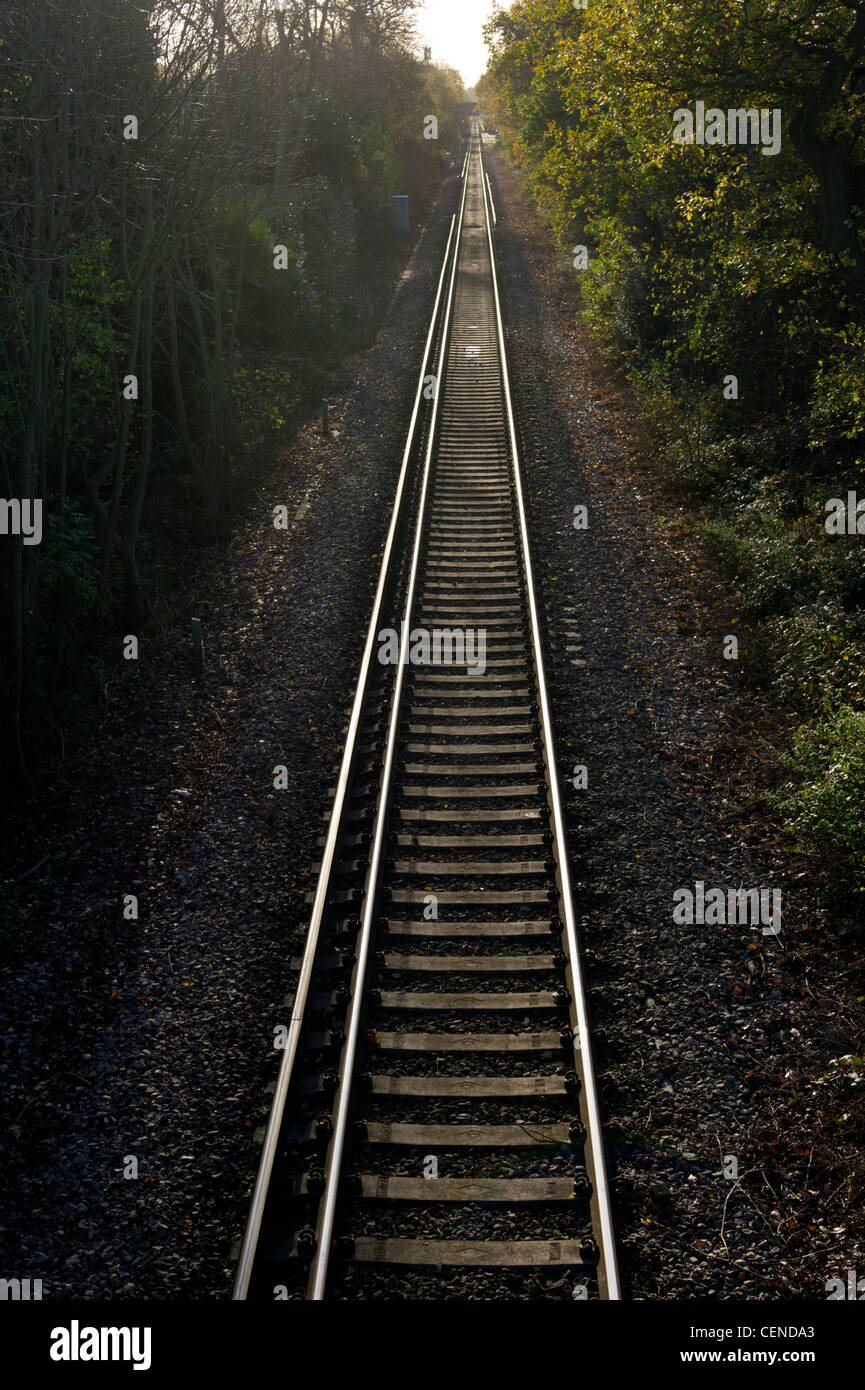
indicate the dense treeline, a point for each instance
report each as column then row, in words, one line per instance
column 194, row 201
column 708, row 261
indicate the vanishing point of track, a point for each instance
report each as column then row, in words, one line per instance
column 435, row 1111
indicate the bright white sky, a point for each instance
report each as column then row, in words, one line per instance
column 453, row 30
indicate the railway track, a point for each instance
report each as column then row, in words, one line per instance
column 434, row 1129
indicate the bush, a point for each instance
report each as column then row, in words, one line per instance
column 818, row 661
column 825, row 801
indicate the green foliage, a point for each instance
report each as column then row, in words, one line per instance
column 443, row 93
column 69, row 591
column 709, row 260
column 264, row 400
column 824, row 802
column 712, row 261
column 819, row 662
column 68, row 557
column 838, row 400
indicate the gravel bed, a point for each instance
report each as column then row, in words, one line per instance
column 432, row 982
column 481, row 1021
column 462, row 1064
column 489, row 1286
column 467, row 946
column 552, row 1162
column 457, row 1221
column 483, row 912
column 451, row 1110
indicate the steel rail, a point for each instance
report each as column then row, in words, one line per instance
column 582, row 1041
column 259, row 1195
column 318, row 1272
column 492, row 204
